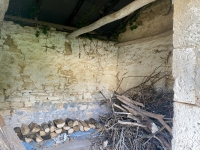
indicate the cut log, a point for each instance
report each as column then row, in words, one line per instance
column 47, row 136
column 86, row 127
column 17, row 130
column 81, row 128
column 51, row 126
column 59, row 123
column 66, row 127
column 75, row 123
column 42, row 133
column 70, row 131
column 21, row 137
column 28, row 140
column 58, row 130
column 92, row 126
column 34, row 127
column 31, row 135
column 53, row 134
column 127, row 10
column 84, row 124
column 64, row 131
column 91, row 123
column 45, row 127
column 98, row 126
column 25, row 129
column 92, row 120
column 39, row 139
column 76, row 128
column 69, row 122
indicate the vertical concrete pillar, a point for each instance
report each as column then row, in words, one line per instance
column 186, row 72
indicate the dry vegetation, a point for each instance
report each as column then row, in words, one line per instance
column 141, row 118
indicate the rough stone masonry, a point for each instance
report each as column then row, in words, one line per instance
column 186, row 40
column 48, row 77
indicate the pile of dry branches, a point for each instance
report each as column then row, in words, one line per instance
column 141, row 118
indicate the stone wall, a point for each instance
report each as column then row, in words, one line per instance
column 49, row 72
column 186, row 72
column 50, row 77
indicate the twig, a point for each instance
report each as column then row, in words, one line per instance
column 124, row 98
column 151, row 115
column 117, row 106
column 131, row 123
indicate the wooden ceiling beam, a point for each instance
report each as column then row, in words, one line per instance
column 106, row 10
column 74, row 12
column 36, row 22
column 127, row 10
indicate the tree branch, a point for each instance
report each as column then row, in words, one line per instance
column 110, row 18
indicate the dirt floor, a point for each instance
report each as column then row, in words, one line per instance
column 72, row 145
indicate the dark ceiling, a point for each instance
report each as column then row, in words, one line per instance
column 75, row 13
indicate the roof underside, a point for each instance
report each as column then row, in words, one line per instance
column 75, row 13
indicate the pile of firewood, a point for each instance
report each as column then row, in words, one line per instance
column 131, row 127
column 141, row 118
column 45, row 131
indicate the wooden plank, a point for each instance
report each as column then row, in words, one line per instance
column 2, row 123
column 57, row 26
column 8, row 138
column 73, row 14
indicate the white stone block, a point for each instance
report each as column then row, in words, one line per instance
column 16, row 104
column 53, row 98
column 72, row 109
column 83, row 107
column 186, row 124
column 87, row 95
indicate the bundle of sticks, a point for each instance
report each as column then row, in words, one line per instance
column 45, row 131
column 131, row 127
column 141, row 118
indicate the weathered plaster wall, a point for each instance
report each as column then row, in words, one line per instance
column 186, row 72
column 140, row 59
column 147, row 47
column 3, row 9
column 155, row 18
column 44, row 71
